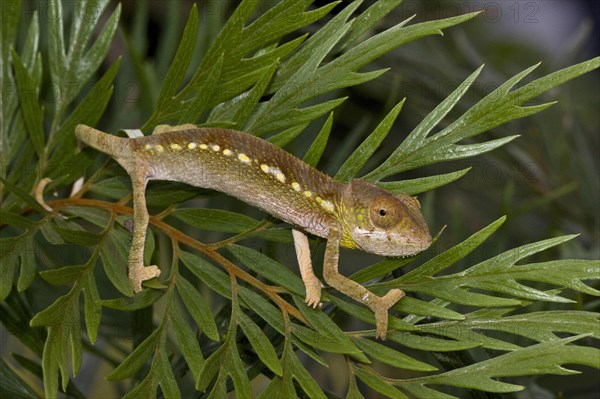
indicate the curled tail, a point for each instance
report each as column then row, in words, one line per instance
column 114, row 146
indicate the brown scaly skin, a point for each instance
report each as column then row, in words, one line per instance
column 355, row 215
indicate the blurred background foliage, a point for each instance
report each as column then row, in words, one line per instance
column 546, row 182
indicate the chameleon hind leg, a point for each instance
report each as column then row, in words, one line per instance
column 379, row 305
column 138, row 273
column 311, row 282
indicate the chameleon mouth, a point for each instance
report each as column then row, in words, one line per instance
column 407, row 252
column 415, row 249
column 390, row 244
column 399, row 250
column 405, row 249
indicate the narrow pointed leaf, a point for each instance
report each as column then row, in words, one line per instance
column 313, row 44
column 273, row 270
column 90, row 109
column 32, row 111
column 378, row 384
column 422, row 184
column 136, row 359
column 215, row 219
column 162, row 367
column 379, row 269
column 391, row 357
column 363, row 153
column 27, row 271
column 306, row 381
column 417, row 137
column 187, row 343
column 545, row 358
column 211, row 368
column 289, row 134
column 23, row 196
column 238, row 374
column 92, row 307
column 114, row 260
column 181, row 60
column 316, row 149
column 63, row 275
column 140, row 300
column 368, row 19
column 261, row 344
column 429, row 343
column 446, row 259
column 198, row 308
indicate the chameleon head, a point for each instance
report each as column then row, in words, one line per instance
column 379, row 222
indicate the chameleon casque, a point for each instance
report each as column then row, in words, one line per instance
column 354, row 215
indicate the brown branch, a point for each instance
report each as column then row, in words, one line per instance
column 183, row 238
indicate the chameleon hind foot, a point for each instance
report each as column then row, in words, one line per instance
column 313, row 293
column 138, row 275
column 380, row 308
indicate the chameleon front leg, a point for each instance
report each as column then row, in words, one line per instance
column 379, row 305
column 138, row 273
column 311, row 282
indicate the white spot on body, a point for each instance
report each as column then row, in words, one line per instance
column 365, row 297
column 296, row 186
column 227, row 152
column 276, row 172
column 327, row 205
column 175, row 146
column 148, row 147
column 215, row 147
column 191, row 145
column 203, row 146
column 308, row 194
column 245, row 158
column 159, row 148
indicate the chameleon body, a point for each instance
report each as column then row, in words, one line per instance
column 354, row 215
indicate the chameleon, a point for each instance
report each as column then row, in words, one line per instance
column 354, row 215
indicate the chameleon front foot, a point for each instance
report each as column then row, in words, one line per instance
column 140, row 274
column 380, row 308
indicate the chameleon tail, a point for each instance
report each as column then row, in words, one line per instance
column 114, row 146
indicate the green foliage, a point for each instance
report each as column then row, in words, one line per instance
column 224, row 312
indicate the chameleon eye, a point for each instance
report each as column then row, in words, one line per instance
column 385, row 212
